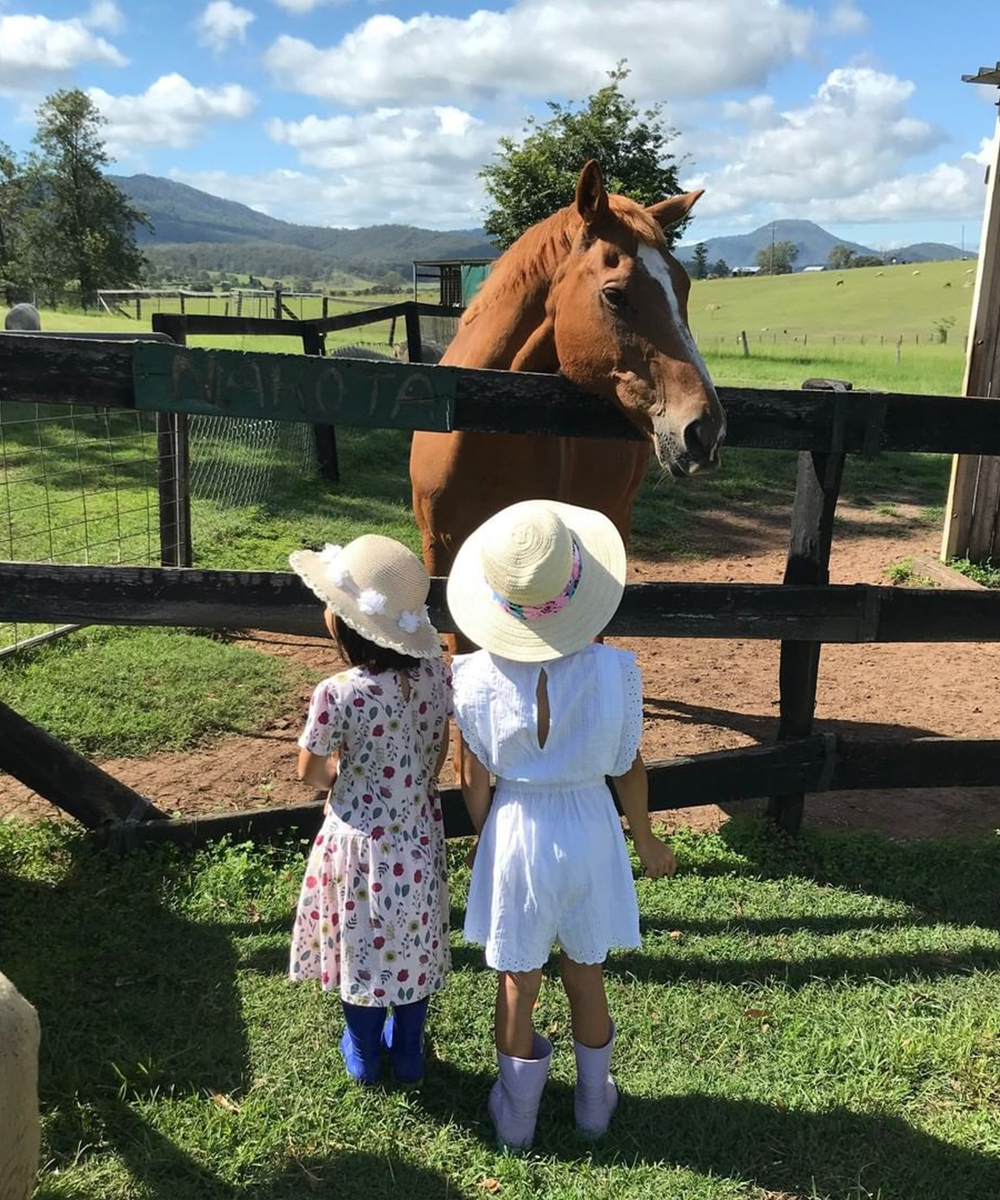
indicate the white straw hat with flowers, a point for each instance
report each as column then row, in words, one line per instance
column 537, row 581
column 376, row 586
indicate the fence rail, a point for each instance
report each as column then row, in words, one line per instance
column 388, row 394
column 278, row 602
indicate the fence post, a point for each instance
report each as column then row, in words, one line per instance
column 173, row 466
column 277, row 301
column 817, row 487
column 325, row 436
column 414, row 349
column 743, row 343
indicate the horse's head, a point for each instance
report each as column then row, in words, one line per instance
column 616, row 322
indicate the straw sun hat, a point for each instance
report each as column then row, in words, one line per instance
column 376, row 586
column 538, row 581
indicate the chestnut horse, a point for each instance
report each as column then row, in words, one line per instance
column 594, row 294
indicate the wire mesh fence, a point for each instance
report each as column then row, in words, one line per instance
column 77, row 485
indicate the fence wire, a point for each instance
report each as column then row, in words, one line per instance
column 77, row 485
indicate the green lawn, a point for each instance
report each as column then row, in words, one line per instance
column 811, row 1020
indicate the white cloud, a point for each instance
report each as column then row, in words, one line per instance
column 171, row 112
column 223, row 22
column 549, row 47
column 105, row 14
column 33, row 49
column 846, row 19
column 299, row 7
column 839, row 157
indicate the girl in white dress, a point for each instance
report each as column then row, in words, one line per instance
column 550, row 715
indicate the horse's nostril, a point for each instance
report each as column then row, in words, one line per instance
column 699, row 440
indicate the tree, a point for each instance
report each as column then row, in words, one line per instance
column 13, row 202
column 393, row 281
column 866, row 260
column 840, row 258
column 700, row 261
column 530, row 180
column 776, row 259
column 84, row 218
column 720, row 269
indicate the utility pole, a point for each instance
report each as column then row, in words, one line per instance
column 771, row 272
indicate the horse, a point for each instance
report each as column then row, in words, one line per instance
column 594, row 294
column 23, row 318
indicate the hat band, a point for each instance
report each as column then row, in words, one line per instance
column 535, row 612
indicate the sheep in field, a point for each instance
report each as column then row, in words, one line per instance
column 19, row 1125
column 23, row 318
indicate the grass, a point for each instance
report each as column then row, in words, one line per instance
column 818, row 1019
column 985, row 573
column 902, row 574
column 897, row 302
column 131, row 692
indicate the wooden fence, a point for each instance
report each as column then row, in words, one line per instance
column 824, row 423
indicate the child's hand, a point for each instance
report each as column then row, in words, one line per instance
column 656, row 857
column 470, row 858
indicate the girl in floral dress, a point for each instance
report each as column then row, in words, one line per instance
column 372, row 919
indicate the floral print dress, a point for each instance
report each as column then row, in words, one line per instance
column 372, row 918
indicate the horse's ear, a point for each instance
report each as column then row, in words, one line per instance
column 668, row 212
column 591, row 198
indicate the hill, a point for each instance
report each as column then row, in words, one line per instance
column 814, row 244
column 184, row 215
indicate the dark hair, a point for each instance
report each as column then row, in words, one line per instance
column 360, row 652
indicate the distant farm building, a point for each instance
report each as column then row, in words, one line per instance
column 459, row 278
column 814, row 267
column 746, row 270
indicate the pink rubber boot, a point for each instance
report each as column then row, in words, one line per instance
column 516, row 1095
column 596, row 1095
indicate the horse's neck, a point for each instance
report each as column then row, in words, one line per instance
column 496, row 334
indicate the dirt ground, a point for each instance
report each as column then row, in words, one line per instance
column 700, row 694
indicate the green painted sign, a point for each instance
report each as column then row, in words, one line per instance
column 293, row 387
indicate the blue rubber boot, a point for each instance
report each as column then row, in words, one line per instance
column 361, row 1044
column 404, row 1039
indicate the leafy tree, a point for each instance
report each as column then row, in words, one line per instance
column 720, row 269
column 84, row 218
column 776, row 259
column 840, row 258
column 530, row 180
column 700, row 261
column 13, row 203
column 393, row 281
column 866, row 260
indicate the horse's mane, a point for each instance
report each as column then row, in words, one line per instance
column 533, row 259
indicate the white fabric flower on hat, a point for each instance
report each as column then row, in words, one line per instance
column 338, row 576
column 371, row 602
column 410, row 622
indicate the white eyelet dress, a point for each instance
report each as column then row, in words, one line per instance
column 551, row 865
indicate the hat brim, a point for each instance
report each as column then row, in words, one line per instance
column 482, row 618
column 381, row 628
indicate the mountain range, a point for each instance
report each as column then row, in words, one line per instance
column 183, row 214
column 236, row 237
column 814, row 244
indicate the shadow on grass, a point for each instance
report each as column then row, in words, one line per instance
column 837, row 1153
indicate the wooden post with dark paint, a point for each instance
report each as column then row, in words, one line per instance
column 325, row 436
column 66, row 778
column 173, row 466
column 414, row 348
column 817, row 487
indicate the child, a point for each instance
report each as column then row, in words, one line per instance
column 373, row 911
column 551, row 715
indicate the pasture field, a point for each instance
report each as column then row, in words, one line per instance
column 872, row 302
column 817, row 1020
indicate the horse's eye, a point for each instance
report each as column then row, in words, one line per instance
column 616, row 297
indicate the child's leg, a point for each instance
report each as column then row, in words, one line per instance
column 588, row 1003
column 404, row 1038
column 517, row 992
column 596, row 1096
column 523, row 1058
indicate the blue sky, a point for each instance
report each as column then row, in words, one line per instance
column 352, row 112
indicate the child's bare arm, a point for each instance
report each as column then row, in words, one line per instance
column 475, row 788
column 318, row 770
column 633, row 793
column 443, row 752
